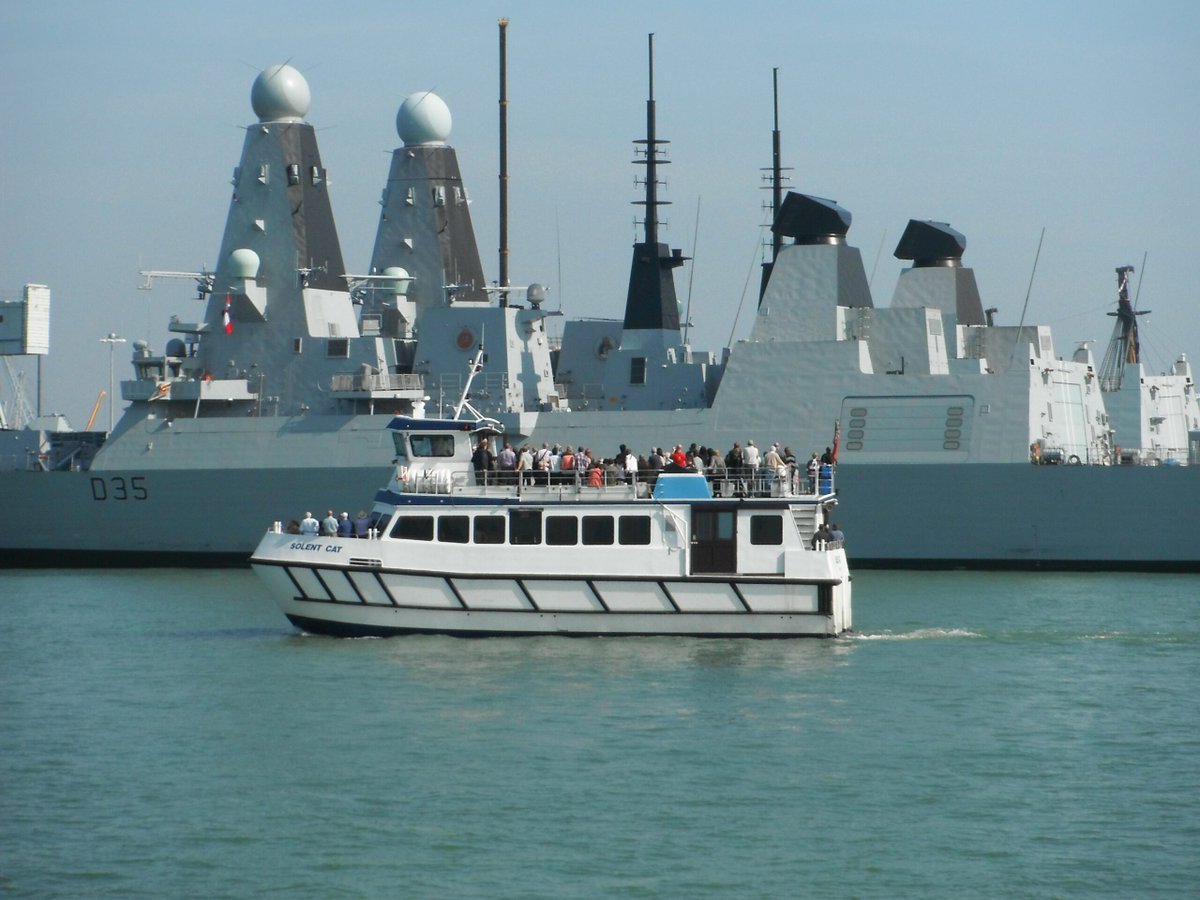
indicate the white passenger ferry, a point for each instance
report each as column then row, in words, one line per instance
column 451, row 550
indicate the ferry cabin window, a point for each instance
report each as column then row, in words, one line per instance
column 413, row 528
column 454, row 529
column 634, row 530
column 597, row 530
column 489, row 529
column 766, row 529
column 525, row 526
column 562, row 531
column 431, row 444
column 379, row 521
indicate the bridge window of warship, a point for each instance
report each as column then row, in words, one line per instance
column 637, row 370
column 338, row 348
column 297, row 345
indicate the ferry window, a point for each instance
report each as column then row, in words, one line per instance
column 413, row 528
column 597, row 529
column 379, row 522
column 431, row 444
column 637, row 370
column 766, row 529
column 453, row 529
column 525, row 526
column 338, row 348
column 398, row 440
column 634, row 530
column 489, row 529
column 562, row 531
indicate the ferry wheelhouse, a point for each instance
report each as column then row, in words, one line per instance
column 452, row 550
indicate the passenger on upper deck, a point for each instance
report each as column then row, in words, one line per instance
column 678, row 461
column 345, row 528
column 482, row 461
column 506, row 464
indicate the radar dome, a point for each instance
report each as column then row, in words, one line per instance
column 423, row 118
column 399, row 277
column 243, row 263
column 280, row 93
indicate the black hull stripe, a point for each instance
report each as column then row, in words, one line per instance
column 342, row 629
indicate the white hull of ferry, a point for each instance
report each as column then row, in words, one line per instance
column 357, row 597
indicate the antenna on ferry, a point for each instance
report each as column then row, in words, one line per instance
column 474, row 367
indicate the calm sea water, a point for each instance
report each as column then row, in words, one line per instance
column 168, row 733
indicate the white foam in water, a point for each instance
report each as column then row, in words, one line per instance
column 918, row 635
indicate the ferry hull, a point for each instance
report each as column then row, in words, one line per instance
column 383, row 603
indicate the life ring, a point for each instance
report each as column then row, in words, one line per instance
column 1072, row 460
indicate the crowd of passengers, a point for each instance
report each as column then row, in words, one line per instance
column 748, row 469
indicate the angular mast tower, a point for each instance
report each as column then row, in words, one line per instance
column 651, row 307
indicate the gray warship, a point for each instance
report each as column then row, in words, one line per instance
column 961, row 443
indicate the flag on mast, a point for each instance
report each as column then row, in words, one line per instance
column 228, row 321
column 837, row 439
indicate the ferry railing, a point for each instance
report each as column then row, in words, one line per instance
column 790, row 481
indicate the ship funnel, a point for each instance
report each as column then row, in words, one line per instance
column 811, row 220
column 931, row 244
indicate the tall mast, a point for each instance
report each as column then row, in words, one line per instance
column 776, row 185
column 651, row 304
column 503, row 162
column 776, row 169
column 651, row 160
column 1124, row 346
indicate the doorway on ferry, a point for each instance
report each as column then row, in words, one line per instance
column 714, row 540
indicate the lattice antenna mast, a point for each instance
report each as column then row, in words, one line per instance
column 1124, row 347
column 651, row 161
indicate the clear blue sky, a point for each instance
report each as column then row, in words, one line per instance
column 122, row 124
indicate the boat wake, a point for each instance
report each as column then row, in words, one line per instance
column 919, row 634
